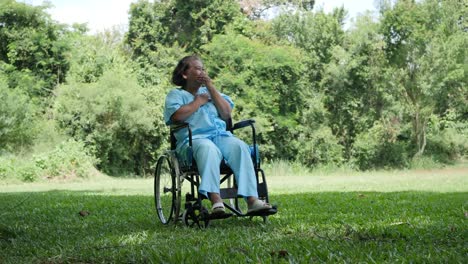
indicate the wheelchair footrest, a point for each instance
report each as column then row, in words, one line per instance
column 219, row 216
column 265, row 212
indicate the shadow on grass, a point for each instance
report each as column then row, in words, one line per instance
column 331, row 226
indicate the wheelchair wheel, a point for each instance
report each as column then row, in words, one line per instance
column 166, row 191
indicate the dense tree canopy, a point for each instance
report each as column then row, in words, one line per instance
column 32, row 50
column 388, row 90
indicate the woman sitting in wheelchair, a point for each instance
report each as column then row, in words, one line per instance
column 198, row 103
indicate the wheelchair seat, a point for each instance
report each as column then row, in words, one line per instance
column 172, row 170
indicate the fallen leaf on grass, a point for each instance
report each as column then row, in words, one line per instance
column 281, row 253
column 84, row 213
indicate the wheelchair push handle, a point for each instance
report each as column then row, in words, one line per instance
column 241, row 124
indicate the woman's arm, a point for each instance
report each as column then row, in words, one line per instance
column 223, row 107
column 187, row 110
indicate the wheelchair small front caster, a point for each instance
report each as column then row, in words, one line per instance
column 195, row 215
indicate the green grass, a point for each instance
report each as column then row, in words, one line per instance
column 383, row 217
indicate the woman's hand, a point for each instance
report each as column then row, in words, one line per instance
column 202, row 98
column 187, row 110
column 203, row 78
column 223, row 107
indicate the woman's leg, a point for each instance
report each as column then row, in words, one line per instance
column 208, row 158
column 237, row 155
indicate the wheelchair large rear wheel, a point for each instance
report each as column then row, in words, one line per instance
column 165, row 189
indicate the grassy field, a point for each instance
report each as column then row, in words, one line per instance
column 382, row 217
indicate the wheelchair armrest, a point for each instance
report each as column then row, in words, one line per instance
column 178, row 126
column 244, row 123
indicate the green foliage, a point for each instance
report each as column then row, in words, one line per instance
column 317, row 145
column 379, row 147
column 113, row 118
column 190, row 24
column 91, row 56
column 320, row 147
column 155, row 69
column 69, row 160
column 17, row 118
column 31, row 44
column 160, row 33
column 315, row 33
column 265, row 82
column 447, row 140
column 423, row 47
column 14, row 169
column 320, row 95
column 353, row 84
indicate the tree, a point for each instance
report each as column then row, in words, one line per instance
column 92, row 55
column 256, row 9
column 113, row 118
column 353, row 84
column 17, row 118
column 190, row 24
column 424, row 47
column 265, row 83
column 32, row 46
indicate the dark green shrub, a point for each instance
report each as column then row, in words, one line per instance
column 17, row 119
column 266, row 84
column 14, row 168
column 320, row 148
column 68, row 160
column 447, row 139
column 379, row 148
column 114, row 120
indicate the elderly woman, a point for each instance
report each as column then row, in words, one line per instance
column 199, row 103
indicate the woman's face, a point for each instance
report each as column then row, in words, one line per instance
column 194, row 71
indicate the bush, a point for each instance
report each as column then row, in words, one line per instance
column 425, row 163
column 70, row 159
column 320, row 148
column 447, row 139
column 17, row 119
column 14, row 168
column 266, row 84
column 379, row 148
column 448, row 145
column 114, row 119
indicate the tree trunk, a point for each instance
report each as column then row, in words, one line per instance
column 419, row 127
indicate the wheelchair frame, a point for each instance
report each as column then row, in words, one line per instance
column 170, row 175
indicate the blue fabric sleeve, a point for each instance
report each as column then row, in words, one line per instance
column 228, row 99
column 172, row 104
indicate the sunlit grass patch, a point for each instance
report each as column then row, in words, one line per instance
column 407, row 226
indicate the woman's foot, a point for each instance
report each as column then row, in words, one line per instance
column 217, row 204
column 218, row 208
column 256, row 205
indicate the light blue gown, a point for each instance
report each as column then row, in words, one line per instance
column 212, row 143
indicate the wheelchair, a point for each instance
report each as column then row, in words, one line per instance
column 171, row 173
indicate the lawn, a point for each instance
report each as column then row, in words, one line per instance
column 383, row 217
